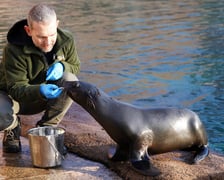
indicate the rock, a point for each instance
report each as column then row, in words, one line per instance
column 85, row 137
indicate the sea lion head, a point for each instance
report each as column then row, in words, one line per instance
column 81, row 92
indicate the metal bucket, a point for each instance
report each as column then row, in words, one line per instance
column 46, row 146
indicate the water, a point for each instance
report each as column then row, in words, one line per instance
column 148, row 53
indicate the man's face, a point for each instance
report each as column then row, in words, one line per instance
column 44, row 35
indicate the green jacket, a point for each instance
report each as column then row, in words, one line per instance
column 24, row 66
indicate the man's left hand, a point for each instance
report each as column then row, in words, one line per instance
column 55, row 72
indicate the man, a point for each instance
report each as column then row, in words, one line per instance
column 36, row 56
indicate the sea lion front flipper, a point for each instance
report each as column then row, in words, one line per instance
column 144, row 167
column 141, row 164
column 139, row 156
column 118, row 154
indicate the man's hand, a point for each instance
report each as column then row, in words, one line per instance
column 50, row 91
column 55, row 72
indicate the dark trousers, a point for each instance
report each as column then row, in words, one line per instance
column 54, row 109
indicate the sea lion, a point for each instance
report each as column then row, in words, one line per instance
column 139, row 132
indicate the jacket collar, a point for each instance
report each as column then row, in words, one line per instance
column 17, row 35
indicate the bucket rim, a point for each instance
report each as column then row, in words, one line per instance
column 29, row 132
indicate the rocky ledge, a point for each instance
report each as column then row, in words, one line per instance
column 86, row 138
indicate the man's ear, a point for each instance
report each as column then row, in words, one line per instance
column 27, row 29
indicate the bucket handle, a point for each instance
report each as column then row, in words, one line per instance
column 55, row 149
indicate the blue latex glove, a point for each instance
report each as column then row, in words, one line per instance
column 50, row 91
column 55, row 72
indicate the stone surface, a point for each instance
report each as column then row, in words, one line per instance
column 85, row 137
column 19, row 166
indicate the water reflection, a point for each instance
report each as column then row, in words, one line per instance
column 149, row 53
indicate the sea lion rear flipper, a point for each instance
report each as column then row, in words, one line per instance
column 201, row 153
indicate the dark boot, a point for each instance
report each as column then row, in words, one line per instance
column 11, row 140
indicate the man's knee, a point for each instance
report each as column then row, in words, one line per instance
column 6, row 121
column 69, row 77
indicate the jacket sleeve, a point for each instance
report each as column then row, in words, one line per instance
column 71, row 60
column 15, row 70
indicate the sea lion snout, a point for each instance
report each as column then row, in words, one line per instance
column 71, row 84
column 71, row 88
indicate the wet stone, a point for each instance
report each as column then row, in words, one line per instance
column 19, row 166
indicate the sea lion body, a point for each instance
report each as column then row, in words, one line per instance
column 139, row 131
